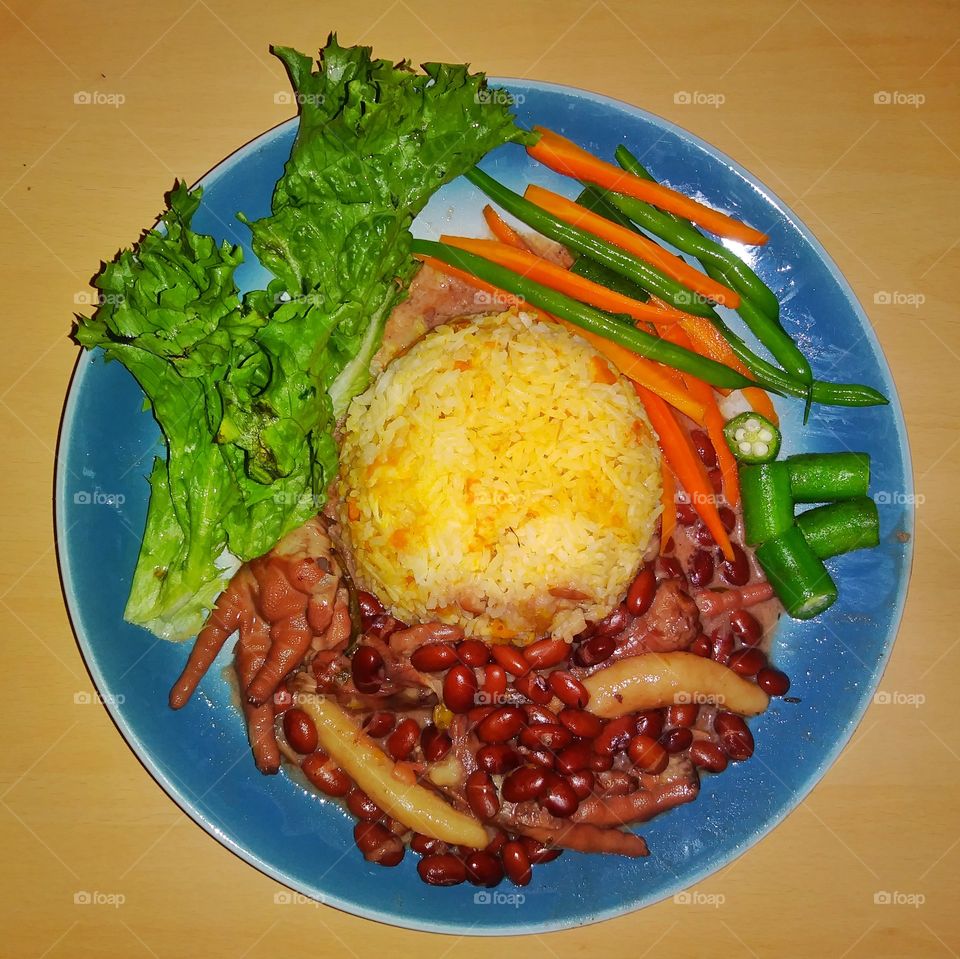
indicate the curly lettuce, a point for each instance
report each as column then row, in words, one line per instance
column 247, row 390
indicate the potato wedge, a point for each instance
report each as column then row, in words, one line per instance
column 652, row 680
column 373, row 771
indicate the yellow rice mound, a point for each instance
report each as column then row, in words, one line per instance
column 499, row 475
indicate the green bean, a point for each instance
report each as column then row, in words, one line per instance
column 765, row 328
column 649, row 277
column 586, row 317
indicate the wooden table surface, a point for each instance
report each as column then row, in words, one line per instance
column 790, row 88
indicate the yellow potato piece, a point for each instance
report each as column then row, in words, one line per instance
column 653, row 680
column 374, row 772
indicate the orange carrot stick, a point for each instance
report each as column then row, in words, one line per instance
column 668, row 518
column 641, row 247
column 502, row 230
column 557, row 278
column 687, row 466
column 564, row 156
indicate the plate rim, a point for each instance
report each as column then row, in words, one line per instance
column 85, row 361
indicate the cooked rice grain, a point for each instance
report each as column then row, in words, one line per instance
column 497, row 460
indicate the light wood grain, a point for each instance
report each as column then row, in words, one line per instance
column 876, row 183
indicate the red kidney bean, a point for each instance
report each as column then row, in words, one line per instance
column 722, row 646
column 716, row 481
column 401, row 742
column 704, row 447
column 568, row 689
column 433, row 657
column 362, row 806
column 597, row 649
column 708, row 755
column 676, row 740
column 542, row 757
column 573, row 758
column 546, row 736
column 325, row 774
column 479, row 713
column 282, row 700
column 641, row 592
column 498, row 758
column 558, row 797
column 483, row 868
column 670, row 568
column 300, row 732
column 580, row 722
column 747, row 661
column 703, row 536
column 614, row 622
column 472, row 652
column 523, row 784
column 516, row 863
column 382, row 626
column 496, row 843
column 538, row 852
column 734, row 736
column 682, row 714
column 370, row 606
column 728, row 518
column 378, row 844
column 546, row 653
column 582, row 782
column 442, row 870
column 482, row 795
column 460, row 689
column 494, row 683
column 535, row 687
column 427, row 845
column 746, row 627
column 700, row 568
column 501, row 725
column 773, row 682
column 511, row 659
column 435, row 743
column 615, row 735
column 378, row 724
column 600, row 763
column 701, row 646
column 536, row 713
column 366, row 666
column 646, row 753
column 736, row 571
column 650, row 723
column 686, row 514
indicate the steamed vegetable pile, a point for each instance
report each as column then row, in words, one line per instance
column 246, row 390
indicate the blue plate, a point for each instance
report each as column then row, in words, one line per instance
column 200, row 755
